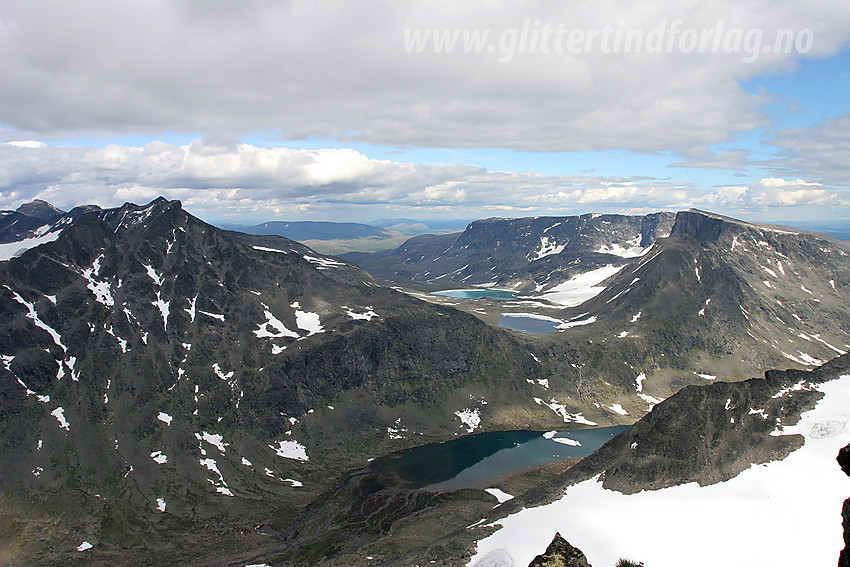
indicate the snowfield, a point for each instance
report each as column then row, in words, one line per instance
column 784, row 513
column 580, row 288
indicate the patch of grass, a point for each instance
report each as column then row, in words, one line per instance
column 629, row 563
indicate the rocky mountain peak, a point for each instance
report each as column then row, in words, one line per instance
column 560, row 554
column 41, row 210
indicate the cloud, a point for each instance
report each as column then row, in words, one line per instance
column 340, row 70
column 702, row 157
column 777, row 195
column 242, row 182
column 820, row 152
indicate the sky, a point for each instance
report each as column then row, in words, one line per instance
column 353, row 111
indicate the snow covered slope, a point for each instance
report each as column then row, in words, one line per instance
column 743, row 520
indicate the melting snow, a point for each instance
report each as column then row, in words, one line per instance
column 157, row 279
column 213, row 439
column 290, row 450
column 163, row 309
column 499, row 495
column 191, row 310
column 165, row 418
column 570, row 324
column 59, row 414
column 101, row 290
column 85, row 546
column 580, row 288
column 547, row 248
column 633, row 251
column 561, row 410
column 617, row 408
column 158, row 457
column 13, row 249
column 213, row 315
column 471, row 418
column 323, row 263
column 221, row 485
column 220, row 373
column 160, row 504
column 367, row 316
column 276, row 325
column 264, row 249
column 567, row 441
column 57, row 338
column 745, row 513
column 308, row 322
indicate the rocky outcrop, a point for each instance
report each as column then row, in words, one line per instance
column 844, row 462
column 560, row 554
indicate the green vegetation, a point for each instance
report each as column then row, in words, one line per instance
column 629, row 563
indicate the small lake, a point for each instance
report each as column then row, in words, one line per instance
column 478, row 461
column 536, row 325
column 499, row 294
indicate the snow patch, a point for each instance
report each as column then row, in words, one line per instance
column 367, row 316
column 617, row 408
column 278, row 329
column 471, row 418
column 570, row 324
column 59, row 414
column 580, row 288
column 291, row 450
column 499, row 495
column 159, row 458
column 13, row 249
column 547, row 248
column 633, row 250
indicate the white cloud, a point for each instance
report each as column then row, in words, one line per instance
column 774, row 193
column 241, row 181
column 339, row 70
column 821, row 151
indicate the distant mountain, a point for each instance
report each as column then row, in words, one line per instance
column 413, row 227
column 328, row 237
column 166, row 386
column 527, row 254
column 26, row 220
column 719, row 297
column 310, row 230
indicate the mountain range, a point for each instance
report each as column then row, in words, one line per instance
column 198, row 395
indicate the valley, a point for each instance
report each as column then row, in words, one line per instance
column 203, row 396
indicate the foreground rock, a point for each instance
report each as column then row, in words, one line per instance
column 560, row 554
column 844, row 462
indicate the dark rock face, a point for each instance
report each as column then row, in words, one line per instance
column 156, row 361
column 561, row 554
column 711, row 434
column 844, row 462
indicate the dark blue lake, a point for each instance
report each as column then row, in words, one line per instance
column 500, row 294
column 477, row 461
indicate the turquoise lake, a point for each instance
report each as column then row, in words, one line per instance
column 477, row 461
